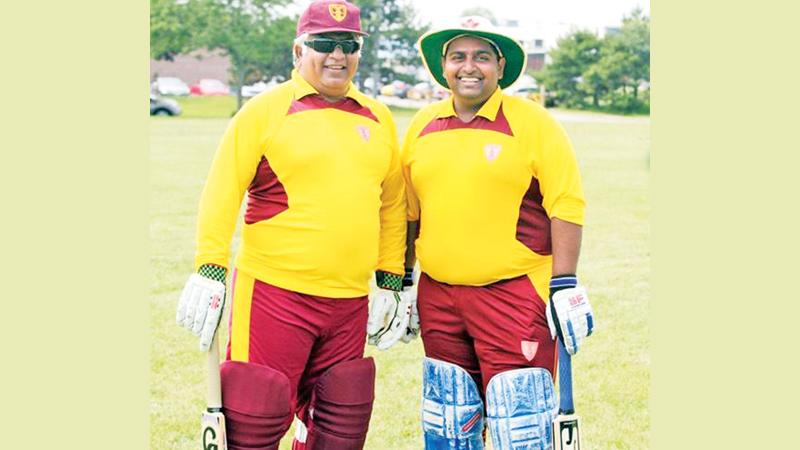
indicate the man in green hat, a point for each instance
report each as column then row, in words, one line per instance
column 495, row 216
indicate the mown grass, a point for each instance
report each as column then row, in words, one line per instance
column 206, row 107
column 612, row 372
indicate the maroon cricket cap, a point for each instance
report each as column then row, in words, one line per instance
column 327, row 16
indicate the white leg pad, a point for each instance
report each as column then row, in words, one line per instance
column 520, row 408
column 452, row 410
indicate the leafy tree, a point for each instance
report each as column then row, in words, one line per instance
column 625, row 64
column 632, row 45
column 571, row 59
column 259, row 41
column 393, row 32
column 256, row 39
column 595, row 83
column 608, row 70
column 170, row 29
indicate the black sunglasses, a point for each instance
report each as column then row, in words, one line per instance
column 322, row 45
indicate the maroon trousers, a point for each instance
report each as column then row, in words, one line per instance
column 485, row 330
column 299, row 335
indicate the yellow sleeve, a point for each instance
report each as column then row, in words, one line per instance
column 392, row 249
column 556, row 168
column 232, row 169
column 412, row 213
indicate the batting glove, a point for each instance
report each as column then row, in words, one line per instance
column 201, row 304
column 569, row 314
column 389, row 312
column 412, row 330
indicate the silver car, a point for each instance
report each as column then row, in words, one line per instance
column 169, row 86
column 163, row 106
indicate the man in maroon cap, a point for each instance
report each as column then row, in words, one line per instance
column 319, row 162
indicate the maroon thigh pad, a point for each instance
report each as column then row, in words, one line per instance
column 255, row 400
column 341, row 405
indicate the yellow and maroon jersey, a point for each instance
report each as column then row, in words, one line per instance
column 484, row 191
column 326, row 202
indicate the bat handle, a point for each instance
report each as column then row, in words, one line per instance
column 214, row 388
column 565, row 379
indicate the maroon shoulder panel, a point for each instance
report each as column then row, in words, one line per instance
column 266, row 195
column 533, row 226
column 310, row 102
column 500, row 124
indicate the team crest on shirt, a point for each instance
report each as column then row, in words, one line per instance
column 529, row 349
column 363, row 131
column 492, row 151
column 338, row 11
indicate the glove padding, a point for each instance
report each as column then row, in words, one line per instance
column 569, row 316
column 412, row 329
column 389, row 317
column 200, row 307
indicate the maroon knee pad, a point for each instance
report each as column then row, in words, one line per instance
column 255, row 401
column 340, row 408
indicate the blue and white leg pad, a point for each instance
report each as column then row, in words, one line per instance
column 452, row 410
column 520, row 408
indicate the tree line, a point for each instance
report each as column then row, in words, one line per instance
column 610, row 73
column 257, row 35
column 585, row 71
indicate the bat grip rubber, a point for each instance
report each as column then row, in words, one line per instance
column 566, row 405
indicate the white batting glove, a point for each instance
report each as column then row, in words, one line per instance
column 200, row 307
column 389, row 316
column 409, row 287
column 569, row 314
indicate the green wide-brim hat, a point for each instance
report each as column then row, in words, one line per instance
column 431, row 46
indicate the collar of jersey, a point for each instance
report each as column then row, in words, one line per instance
column 303, row 88
column 488, row 110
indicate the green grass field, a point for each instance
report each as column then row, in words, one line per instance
column 612, row 372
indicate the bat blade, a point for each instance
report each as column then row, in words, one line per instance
column 214, row 431
column 566, row 431
column 213, row 420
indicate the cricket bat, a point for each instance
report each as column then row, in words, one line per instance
column 566, row 435
column 213, row 421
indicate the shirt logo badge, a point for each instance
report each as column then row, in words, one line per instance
column 529, row 349
column 363, row 130
column 492, row 151
column 338, row 11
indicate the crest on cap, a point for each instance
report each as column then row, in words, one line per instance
column 470, row 22
column 329, row 16
column 338, row 11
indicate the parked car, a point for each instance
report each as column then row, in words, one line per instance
column 396, row 88
column 163, row 106
column 251, row 90
column 210, row 86
column 529, row 92
column 439, row 92
column 533, row 92
column 256, row 88
column 170, row 86
column 368, row 85
column 420, row 91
